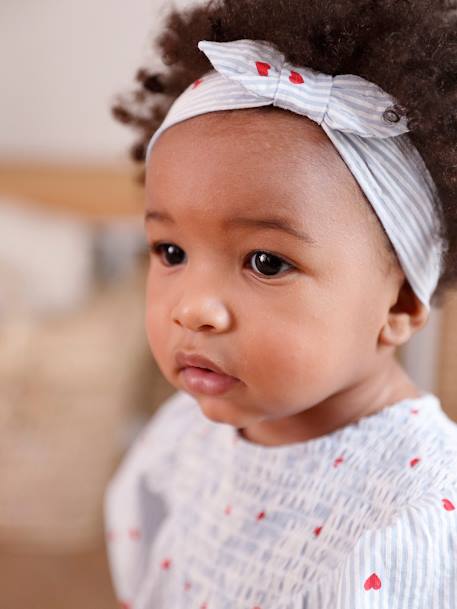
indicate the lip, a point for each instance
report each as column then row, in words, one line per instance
column 184, row 360
column 201, row 375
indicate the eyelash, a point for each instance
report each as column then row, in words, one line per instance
column 157, row 248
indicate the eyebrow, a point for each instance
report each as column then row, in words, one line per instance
column 274, row 222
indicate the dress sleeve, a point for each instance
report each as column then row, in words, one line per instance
column 411, row 564
column 134, row 501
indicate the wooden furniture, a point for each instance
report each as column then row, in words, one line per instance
column 92, row 191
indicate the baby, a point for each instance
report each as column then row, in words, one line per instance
column 297, row 240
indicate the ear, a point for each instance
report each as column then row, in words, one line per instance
column 406, row 317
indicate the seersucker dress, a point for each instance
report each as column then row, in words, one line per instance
column 365, row 517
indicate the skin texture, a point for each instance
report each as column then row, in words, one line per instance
column 313, row 346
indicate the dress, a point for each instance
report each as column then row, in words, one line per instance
column 365, row 517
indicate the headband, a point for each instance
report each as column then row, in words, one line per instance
column 360, row 120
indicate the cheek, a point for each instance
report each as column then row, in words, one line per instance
column 306, row 339
column 155, row 313
column 287, row 351
column 289, row 342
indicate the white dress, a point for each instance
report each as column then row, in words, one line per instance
column 365, row 517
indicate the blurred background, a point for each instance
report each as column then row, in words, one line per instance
column 77, row 381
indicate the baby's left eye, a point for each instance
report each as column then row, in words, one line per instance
column 268, row 264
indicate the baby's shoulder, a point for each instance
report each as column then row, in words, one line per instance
column 432, row 444
column 407, row 531
column 419, row 456
column 408, row 559
column 174, row 416
column 152, row 455
column 175, row 420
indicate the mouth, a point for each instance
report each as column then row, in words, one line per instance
column 207, row 382
column 185, row 360
column 202, row 376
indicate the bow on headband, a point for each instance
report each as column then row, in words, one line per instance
column 261, row 69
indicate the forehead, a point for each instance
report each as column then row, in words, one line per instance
column 268, row 136
column 228, row 163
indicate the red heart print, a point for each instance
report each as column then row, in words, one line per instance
column 111, row 535
column 134, row 533
column 414, row 411
column 196, row 83
column 166, row 563
column 372, row 582
column 296, row 78
column 187, row 585
column 125, row 605
column 204, row 606
column 260, row 515
column 228, row 510
column 262, row 68
column 414, row 461
column 337, row 461
column 448, row 505
column 317, row 531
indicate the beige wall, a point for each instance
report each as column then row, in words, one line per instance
column 61, row 61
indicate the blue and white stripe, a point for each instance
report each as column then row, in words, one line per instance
column 382, row 519
column 379, row 154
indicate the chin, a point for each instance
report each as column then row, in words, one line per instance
column 220, row 411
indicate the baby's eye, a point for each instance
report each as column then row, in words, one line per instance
column 260, row 261
column 266, row 263
column 172, row 254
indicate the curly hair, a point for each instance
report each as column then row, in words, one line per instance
column 407, row 47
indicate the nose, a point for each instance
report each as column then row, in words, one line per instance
column 202, row 313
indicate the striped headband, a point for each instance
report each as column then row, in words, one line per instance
column 354, row 113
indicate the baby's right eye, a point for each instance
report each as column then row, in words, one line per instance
column 172, row 254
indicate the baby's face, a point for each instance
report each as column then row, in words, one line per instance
column 294, row 318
